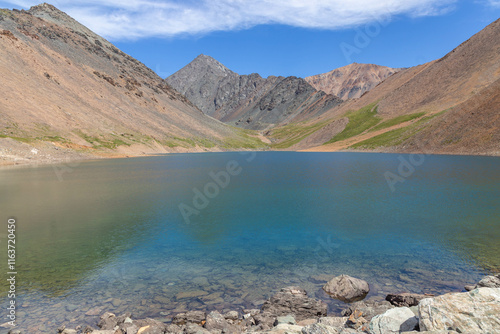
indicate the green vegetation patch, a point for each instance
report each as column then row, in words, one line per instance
column 359, row 121
column 100, row 142
column 20, row 139
column 397, row 136
column 292, row 134
column 396, row 121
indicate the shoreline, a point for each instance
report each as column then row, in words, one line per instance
column 33, row 163
column 292, row 311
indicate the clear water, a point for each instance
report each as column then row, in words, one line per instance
column 109, row 236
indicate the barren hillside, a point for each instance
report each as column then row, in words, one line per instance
column 62, row 84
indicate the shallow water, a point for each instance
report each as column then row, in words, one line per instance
column 109, row 235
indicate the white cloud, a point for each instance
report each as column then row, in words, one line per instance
column 118, row 19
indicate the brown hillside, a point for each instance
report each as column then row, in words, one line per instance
column 60, row 82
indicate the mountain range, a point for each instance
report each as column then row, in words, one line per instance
column 67, row 92
column 66, row 89
column 248, row 101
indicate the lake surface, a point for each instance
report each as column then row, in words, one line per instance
column 124, row 235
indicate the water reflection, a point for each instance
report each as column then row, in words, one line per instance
column 111, row 234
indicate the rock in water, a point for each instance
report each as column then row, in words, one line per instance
column 294, row 300
column 405, row 299
column 347, row 289
column 395, row 320
column 476, row 311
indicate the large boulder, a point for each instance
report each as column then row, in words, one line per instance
column 394, row 321
column 476, row 311
column 347, row 289
column 294, row 300
column 405, row 299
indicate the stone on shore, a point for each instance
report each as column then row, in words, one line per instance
column 476, row 311
column 231, row 315
column 265, row 320
column 215, row 320
column 394, row 321
column 369, row 308
column 69, row 331
column 196, row 329
column 347, row 289
column 108, row 321
column 339, row 322
column 288, row 320
column 489, row 282
column 194, row 317
column 294, row 300
column 405, row 299
column 320, row 329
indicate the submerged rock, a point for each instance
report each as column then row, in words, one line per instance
column 394, row 321
column 294, row 300
column 476, row 311
column 347, row 289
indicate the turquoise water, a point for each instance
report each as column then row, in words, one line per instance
column 109, row 235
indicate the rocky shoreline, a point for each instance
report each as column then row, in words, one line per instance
column 292, row 311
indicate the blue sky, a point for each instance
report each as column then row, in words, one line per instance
column 281, row 37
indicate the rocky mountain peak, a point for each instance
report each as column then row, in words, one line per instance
column 50, row 12
column 204, row 62
column 351, row 81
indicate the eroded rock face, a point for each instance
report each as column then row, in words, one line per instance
column 396, row 320
column 294, row 300
column 476, row 311
column 347, row 289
